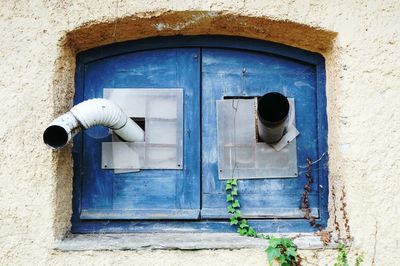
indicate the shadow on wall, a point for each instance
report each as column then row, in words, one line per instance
column 143, row 25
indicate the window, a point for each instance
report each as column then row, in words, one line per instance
column 208, row 68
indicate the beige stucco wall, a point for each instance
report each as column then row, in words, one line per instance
column 39, row 40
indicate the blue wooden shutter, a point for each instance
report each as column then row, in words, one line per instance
column 227, row 72
column 148, row 194
column 104, row 202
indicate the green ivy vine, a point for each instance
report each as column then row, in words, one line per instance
column 342, row 259
column 243, row 227
column 282, row 250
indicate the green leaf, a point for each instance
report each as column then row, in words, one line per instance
column 341, row 259
column 274, row 242
column 286, row 242
column 234, row 182
column 234, row 220
column 243, row 225
column 273, row 253
column 281, row 259
column 237, row 214
column 235, row 204
column 264, row 236
column 228, row 186
column 229, row 198
column 291, row 252
column 359, row 259
column 234, row 192
column 230, row 209
column 242, row 231
column 251, row 232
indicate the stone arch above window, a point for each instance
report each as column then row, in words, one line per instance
column 95, row 34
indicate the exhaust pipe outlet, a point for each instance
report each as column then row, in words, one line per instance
column 272, row 112
column 87, row 114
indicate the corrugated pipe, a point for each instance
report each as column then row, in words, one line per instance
column 87, row 114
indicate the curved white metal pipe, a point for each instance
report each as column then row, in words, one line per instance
column 91, row 113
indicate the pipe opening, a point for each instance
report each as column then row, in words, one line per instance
column 273, row 109
column 140, row 121
column 55, row 136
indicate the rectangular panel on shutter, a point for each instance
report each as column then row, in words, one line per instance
column 240, row 156
column 162, row 112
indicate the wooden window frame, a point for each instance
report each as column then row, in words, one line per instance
column 266, row 225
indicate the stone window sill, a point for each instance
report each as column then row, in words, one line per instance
column 177, row 241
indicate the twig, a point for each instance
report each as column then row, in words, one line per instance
column 335, row 221
column 314, row 162
column 305, row 203
column 345, row 215
column 376, row 240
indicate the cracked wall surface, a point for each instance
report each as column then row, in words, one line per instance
column 359, row 39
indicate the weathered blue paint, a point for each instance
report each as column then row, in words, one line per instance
column 269, row 66
column 236, row 72
column 173, row 191
column 118, row 226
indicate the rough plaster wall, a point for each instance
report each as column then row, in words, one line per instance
column 39, row 41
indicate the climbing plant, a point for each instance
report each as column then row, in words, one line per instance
column 342, row 258
column 283, row 250
column 243, row 228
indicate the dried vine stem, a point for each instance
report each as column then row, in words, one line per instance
column 345, row 215
column 305, row 203
column 375, row 243
column 335, row 220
